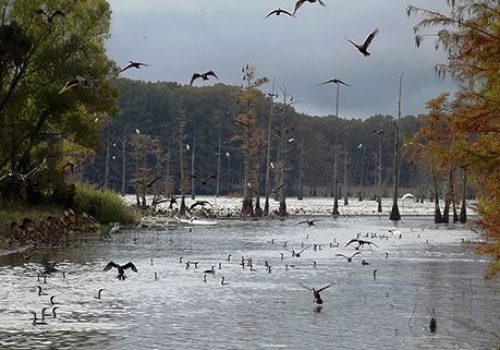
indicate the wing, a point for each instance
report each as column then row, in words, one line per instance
column 338, row 254
column 277, row 189
column 128, row 66
column 303, row 250
column 298, row 5
column 351, row 241
column 370, row 38
column 301, row 222
column 272, row 13
column 212, row 74
column 193, row 206
column 353, row 43
column 327, row 82
column 321, row 3
column 110, row 265
column 194, row 77
column 304, row 286
column 369, row 243
column 205, row 202
column 355, row 254
column 130, row 265
column 313, row 221
column 325, row 287
column 288, row 13
column 341, row 82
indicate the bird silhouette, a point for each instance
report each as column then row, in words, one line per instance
column 78, row 81
column 121, row 269
column 378, row 132
column 203, row 76
column 99, row 293
column 297, row 254
column 299, row 4
column 308, row 222
column 278, row 12
column 197, row 203
column 360, row 243
column 334, row 81
column 364, row 48
column 204, row 181
column 349, row 258
column 317, row 297
column 132, row 64
column 36, row 322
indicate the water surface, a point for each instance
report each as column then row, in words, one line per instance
column 427, row 267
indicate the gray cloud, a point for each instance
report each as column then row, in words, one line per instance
column 178, row 38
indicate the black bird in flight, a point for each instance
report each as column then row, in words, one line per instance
column 308, row 222
column 349, row 259
column 364, row 48
column 205, row 180
column 278, row 12
column 50, row 17
column 121, row 269
column 132, row 64
column 361, row 243
column 378, row 132
column 299, row 4
column 334, row 81
column 275, row 190
column 197, row 203
column 203, row 76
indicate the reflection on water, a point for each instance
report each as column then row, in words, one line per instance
column 426, row 267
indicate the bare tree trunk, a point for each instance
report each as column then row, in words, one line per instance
column 168, row 185
column 395, row 215
column 268, row 163
column 437, row 211
column 335, row 210
column 463, row 209
column 300, row 185
column 258, row 209
column 182, row 123
column 124, row 146
column 447, row 202
column 362, row 180
column 379, row 175
column 193, row 183
column 346, row 189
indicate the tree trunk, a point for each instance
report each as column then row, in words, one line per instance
column 300, row 185
column 258, row 209
column 182, row 209
column 395, row 215
column 437, row 211
column 346, row 190
column 379, row 175
column 193, row 182
column 463, row 209
column 335, row 210
column 268, row 163
column 106, row 168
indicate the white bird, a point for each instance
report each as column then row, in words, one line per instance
column 290, row 140
column 227, row 154
column 137, row 131
column 115, row 228
column 360, row 145
column 271, row 164
column 187, row 147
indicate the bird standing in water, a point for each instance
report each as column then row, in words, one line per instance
column 121, row 269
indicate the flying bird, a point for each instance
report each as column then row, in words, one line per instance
column 121, row 269
column 78, row 81
column 278, row 12
column 378, row 132
column 334, row 81
column 197, row 203
column 299, row 4
column 203, row 76
column 132, row 64
column 308, row 222
column 364, row 48
column 205, row 180
column 349, row 258
column 275, row 190
column 361, row 243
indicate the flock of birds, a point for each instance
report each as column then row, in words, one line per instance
column 83, row 82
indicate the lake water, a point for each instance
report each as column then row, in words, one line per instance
column 428, row 267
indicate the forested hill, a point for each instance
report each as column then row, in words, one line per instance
column 148, row 124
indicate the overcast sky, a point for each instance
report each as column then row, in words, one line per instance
column 179, row 37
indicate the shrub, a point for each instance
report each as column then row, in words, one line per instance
column 104, row 205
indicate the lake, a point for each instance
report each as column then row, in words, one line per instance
column 427, row 266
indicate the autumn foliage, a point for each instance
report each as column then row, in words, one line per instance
column 469, row 134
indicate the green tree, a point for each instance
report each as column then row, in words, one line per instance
column 45, row 51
